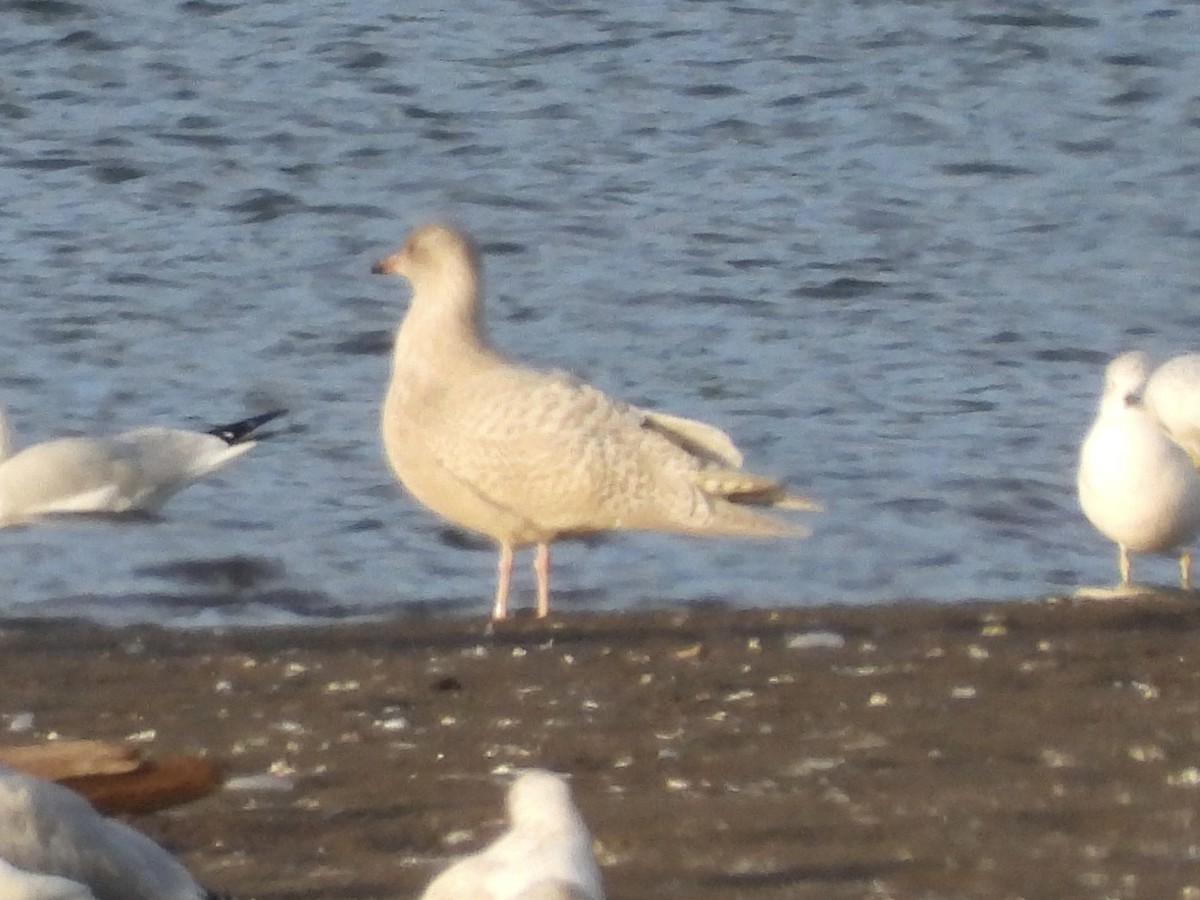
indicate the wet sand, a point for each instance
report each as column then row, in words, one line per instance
column 982, row 750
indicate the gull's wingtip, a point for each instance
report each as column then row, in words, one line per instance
column 236, row 432
column 799, row 503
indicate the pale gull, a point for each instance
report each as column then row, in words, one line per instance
column 134, row 471
column 48, row 830
column 17, row 884
column 546, row 854
column 1136, row 485
column 1173, row 396
column 526, row 456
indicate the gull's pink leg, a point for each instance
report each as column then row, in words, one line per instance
column 1123, row 564
column 503, row 577
column 541, row 568
column 1185, row 570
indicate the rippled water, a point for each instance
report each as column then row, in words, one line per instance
column 888, row 245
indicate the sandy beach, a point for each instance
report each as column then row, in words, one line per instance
column 982, row 750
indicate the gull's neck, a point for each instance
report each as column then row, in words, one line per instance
column 444, row 323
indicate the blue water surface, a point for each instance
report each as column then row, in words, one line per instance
column 887, row 245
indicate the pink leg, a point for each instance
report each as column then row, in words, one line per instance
column 541, row 568
column 1123, row 564
column 503, row 577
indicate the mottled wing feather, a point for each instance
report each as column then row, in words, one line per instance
column 698, row 438
column 564, row 455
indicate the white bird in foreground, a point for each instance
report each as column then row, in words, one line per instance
column 527, row 456
column 1173, row 396
column 17, row 884
column 55, row 846
column 1136, row 485
column 546, row 854
column 134, row 471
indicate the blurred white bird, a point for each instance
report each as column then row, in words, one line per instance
column 17, row 884
column 546, row 854
column 1137, row 485
column 134, row 471
column 55, row 846
column 1173, row 396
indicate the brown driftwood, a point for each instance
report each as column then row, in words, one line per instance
column 116, row 778
column 66, row 759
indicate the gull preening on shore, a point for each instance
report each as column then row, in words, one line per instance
column 526, row 456
column 1136, row 484
column 55, row 846
column 546, row 854
column 136, row 471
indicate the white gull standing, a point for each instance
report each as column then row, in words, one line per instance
column 526, row 456
column 1136, row 485
column 55, row 846
column 134, row 471
column 546, row 854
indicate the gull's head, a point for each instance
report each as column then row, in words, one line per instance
column 539, row 797
column 1126, row 377
column 432, row 252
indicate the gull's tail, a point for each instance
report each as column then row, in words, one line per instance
column 236, row 432
column 737, row 501
column 749, row 489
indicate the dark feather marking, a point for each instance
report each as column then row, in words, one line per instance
column 236, row 432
